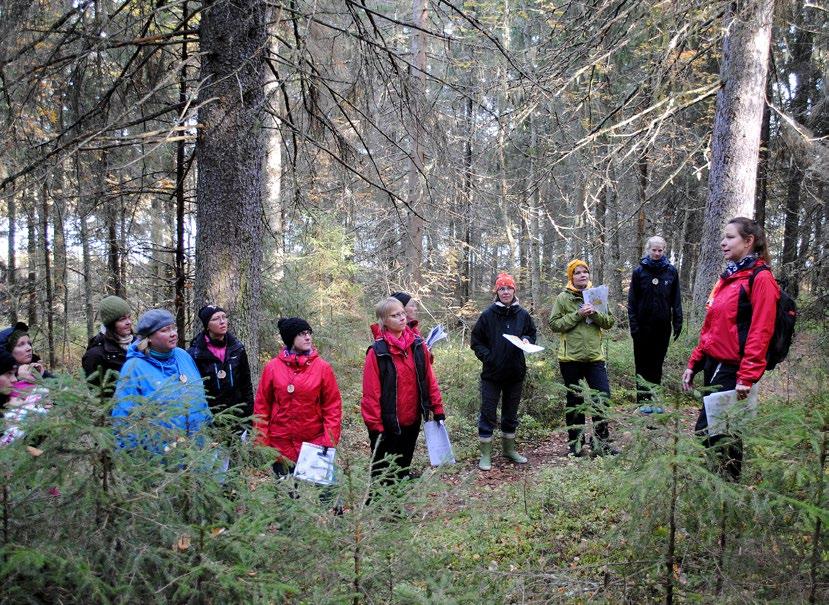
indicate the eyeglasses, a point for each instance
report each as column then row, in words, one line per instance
column 219, row 318
column 305, row 333
column 398, row 315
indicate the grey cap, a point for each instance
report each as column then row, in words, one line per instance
column 153, row 320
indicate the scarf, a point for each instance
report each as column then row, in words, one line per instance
column 731, row 267
column 159, row 355
column 655, row 264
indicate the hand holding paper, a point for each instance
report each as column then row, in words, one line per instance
column 524, row 346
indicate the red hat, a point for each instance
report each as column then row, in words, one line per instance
column 504, row 280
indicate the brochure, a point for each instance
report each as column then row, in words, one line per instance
column 725, row 412
column 524, row 346
column 315, row 464
column 437, row 443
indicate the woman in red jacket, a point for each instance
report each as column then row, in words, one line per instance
column 738, row 326
column 298, row 398
column 399, row 388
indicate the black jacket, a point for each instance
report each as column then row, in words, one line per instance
column 235, row 386
column 654, row 306
column 503, row 361
column 104, row 354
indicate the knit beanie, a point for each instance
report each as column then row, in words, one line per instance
column 208, row 311
column 7, row 362
column 111, row 309
column 504, row 280
column 289, row 327
column 153, row 320
column 402, row 297
column 14, row 334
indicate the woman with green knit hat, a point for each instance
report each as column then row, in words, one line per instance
column 581, row 357
column 107, row 350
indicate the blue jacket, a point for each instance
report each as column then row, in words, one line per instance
column 156, row 386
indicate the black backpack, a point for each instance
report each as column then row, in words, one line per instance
column 784, row 321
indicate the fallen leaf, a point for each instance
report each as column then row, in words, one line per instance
column 182, row 544
column 34, row 451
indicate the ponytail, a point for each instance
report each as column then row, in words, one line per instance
column 747, row 227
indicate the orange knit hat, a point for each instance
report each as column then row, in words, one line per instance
column 504, row 280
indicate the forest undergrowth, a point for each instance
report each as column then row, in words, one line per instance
column 83, row 522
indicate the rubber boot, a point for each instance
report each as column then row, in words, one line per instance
column 509, row 451
column 485, row 464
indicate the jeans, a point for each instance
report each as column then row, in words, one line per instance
column 509, row 394
column 728, row 448
column 595, row 373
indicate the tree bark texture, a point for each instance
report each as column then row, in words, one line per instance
column 231, row 151
column 417, row 83
column 735, row 142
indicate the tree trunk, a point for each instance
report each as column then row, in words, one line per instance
column 47, row 272
column 763, row 164
column 417, row 82
column 466, row 201
column 31, row 224
column 231, row 152
column 86, row 257
column 802, row 72
column 736, row 138
column 11, row 272
column 181, row 174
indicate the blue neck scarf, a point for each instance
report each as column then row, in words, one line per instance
column 655, row 264
column 160, row 356
column 731, row 267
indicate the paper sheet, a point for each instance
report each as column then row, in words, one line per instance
column 598, row 297
column 435, row 334
column 526, row 347
column 437, row 443
column 315, row 464
column 724, row 411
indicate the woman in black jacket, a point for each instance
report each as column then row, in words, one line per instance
column 107, row 350
column 223, row 363
column 504, row 368
column 654, row 307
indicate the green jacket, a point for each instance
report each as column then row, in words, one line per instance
column 579, row 340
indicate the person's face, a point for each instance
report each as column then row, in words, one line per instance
column 411, row 310
column 506, row 295
column 217, row 326
column 581, row 276
column 734, row 246
column 165, row 339
column 7, row 379
column 22, row 351
column 395, row 320
column 302, row 342
column 656, row 251
column 123, row 326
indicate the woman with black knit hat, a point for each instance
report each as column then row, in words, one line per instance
column 298, row 398
column 16, row 341
column 223, row 362
column 107, row 350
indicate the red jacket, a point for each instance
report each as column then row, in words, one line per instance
column 408, row 406
column 297, row 400
column 719, row 337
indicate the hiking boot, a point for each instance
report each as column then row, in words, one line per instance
column 485, row 463
column 646, row 409
column 508, row 449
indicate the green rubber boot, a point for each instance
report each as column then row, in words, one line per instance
column 509, row 451
column 485, row 464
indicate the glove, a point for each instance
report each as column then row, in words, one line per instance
column 677, row 332
column 439, row 417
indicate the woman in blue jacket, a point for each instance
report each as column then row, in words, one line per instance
column 161, row 383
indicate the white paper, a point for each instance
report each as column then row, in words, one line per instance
column 315, row 464
column 524, row 346
column 437, row 443
column 723, row 414
column 435, row 334
column 598, row 297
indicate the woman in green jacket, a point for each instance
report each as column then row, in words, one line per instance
column 580, row 357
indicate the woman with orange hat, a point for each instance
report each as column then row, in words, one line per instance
column 581, row 357
column 504, row 368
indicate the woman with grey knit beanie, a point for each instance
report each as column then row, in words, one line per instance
column 107, row 350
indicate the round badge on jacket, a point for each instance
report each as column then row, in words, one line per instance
column 221, row 374
column 290, row 388
column 182, row 378
column 655, row 281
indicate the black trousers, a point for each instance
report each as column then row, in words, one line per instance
column 728, row 448
column 595, row 373
column 400, row 447
column 509, row 394
column 650, row 345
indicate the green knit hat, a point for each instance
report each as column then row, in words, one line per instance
column 113, row 308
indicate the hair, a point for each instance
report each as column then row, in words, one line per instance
column 747, row 227
column 655, row 238
column 143, row 344
column 382, row 308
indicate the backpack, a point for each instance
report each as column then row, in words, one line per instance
column 784, row 322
